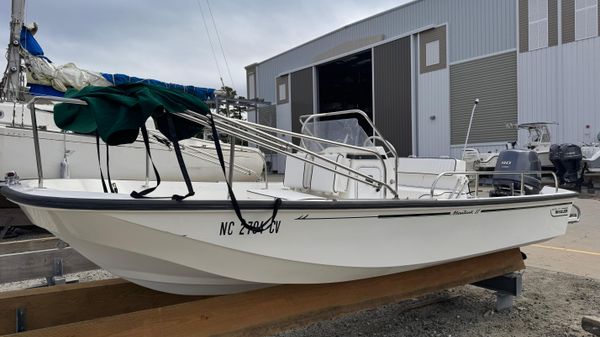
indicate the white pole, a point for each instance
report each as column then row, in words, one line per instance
column 469, row 129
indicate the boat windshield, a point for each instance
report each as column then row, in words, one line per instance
column 347, row 131
column 539, row 134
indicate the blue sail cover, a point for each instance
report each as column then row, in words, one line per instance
column 30, row 44
column 202, row 93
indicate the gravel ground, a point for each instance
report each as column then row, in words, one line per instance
column 85, row 276
column 552, row 304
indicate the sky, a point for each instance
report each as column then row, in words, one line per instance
column 168, row 41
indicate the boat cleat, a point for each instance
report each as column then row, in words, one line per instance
column 11, row 178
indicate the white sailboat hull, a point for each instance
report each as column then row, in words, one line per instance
column 199, row 248
column 83, row 162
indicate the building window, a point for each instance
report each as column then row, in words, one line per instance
column 432, row 53
column 282, row 92
column 538, row 24
column 432, row 49
column 586, row 19
column 251, row 85
column 282, row 89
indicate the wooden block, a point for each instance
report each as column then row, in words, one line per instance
column 62, row 304
column 591, row 324
column 38, row 264
column 21, row 246
column 267, row 311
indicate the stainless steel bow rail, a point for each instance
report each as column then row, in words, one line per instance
column 263, row 137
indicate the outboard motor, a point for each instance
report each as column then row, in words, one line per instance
column 570, row 159
column 506, row 184
column 554, row 157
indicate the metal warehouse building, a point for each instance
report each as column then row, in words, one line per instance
column 416, row 70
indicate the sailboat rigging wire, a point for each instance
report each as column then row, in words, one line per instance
column 212, row 48
column 220, row 43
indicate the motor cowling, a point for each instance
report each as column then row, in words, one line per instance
column 571, row 159
column 555, row 157
column 507, row 183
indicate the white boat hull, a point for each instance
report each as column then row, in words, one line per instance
column 201, row 249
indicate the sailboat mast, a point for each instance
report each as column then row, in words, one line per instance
column 12, row 81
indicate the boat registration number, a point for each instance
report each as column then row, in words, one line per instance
column 229, row 228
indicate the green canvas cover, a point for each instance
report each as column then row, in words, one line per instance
column 117, row 113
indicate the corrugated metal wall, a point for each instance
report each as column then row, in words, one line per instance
column 523, row 25
column 434, row 114
column 494, row 81
column 562, row 85
column 392, row 87
column 476, row 27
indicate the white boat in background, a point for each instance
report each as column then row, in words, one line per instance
column 346, row 209
column 70, row 155
column 478, row 161
column 539, row 140
column 591, row 156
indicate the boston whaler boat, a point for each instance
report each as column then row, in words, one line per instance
column 348, row 208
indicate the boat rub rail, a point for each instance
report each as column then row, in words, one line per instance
column 168, row 204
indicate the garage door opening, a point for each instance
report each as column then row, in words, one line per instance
column 347, row 83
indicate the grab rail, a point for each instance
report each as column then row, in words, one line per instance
column 196, row 152
column 34, row 127
column 326, row 141
column 250, row 132
column 478, row 173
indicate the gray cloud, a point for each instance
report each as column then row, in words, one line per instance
column 166, row 40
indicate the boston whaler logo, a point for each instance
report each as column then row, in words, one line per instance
column 559, row 211
column 465, row 211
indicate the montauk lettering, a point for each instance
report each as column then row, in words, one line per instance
column 465, row 211
column 267, row 226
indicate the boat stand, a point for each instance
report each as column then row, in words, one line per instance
column 115, row 307
column 507, row 287
column 40, row 258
